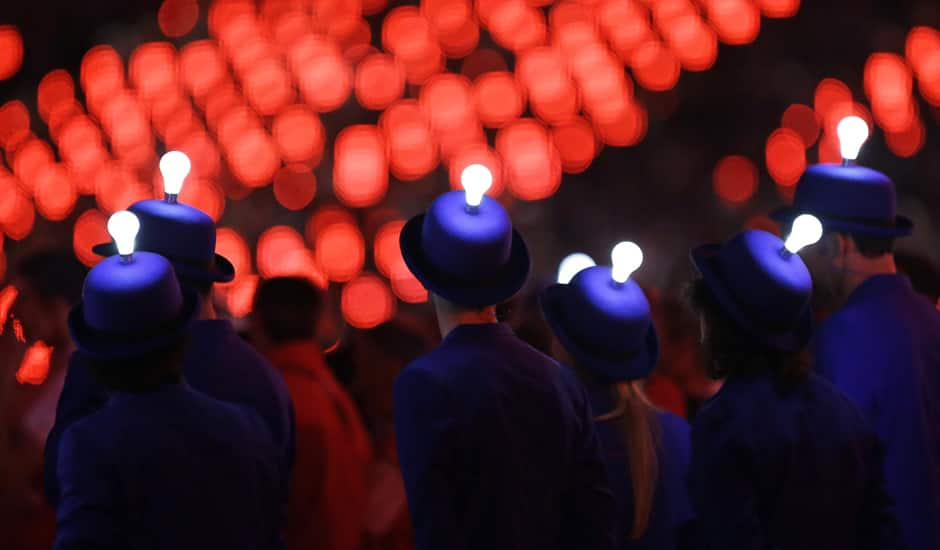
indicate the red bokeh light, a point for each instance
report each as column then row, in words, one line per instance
column 477, row 153
column 323, row 218
column 693, row 41
column 116, row 187
column 367, row 302
column 498, row 98
column 14, row 124
column 29, row 159
column 55, row 192
column 576, row 143
column 385, row 248
column 448, row 100
column 532, row 164
column 779, row 9
column 295, row 186
column 828, row 150
column 153, row 70
column 735, row 179
column 55, row 88
column 830, row 92
column 625, row 128
column 91, row 228
column 202, row 152
column 407, row 287
column 301, row 263
column 299, row 134
column 273, row 246
column 7, row 297
column 482, row 60
column 785, row 155
column 802, row 120
column 736, row 21
column 380, row 80
column 202, row 194
column 340, row 251
column 17, row 215
column 177, row 17
column 267, row 86
column 101, row 75
column 11, row 51
column 909, row 142
column 241, row 295
column 202, row 67
column 923, row 54
column 888, row 83
column 324, row 78
column 230, row 244
column 409, row 37
column 516, row 26
column 655, row 67
column 253, row 158
column 412, row 151
column 626, row 26
column 35, row 365
column 360, row 167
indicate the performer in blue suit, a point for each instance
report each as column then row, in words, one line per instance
column 881, row 346
column 601, row 321
column 161, row 466
column 218, row 362
column 496, row 440
column 780, row 458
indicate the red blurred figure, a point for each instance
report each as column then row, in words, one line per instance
column 333, row 452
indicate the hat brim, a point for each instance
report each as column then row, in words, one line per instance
column 221, row 270
column 902, row 226
column 628, row 367
column 703, row 257
column 106, row 345
column 476, row 293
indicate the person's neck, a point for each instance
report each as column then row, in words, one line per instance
column 860, row 268
column 450, row 320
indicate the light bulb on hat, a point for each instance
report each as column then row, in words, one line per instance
column 572, row 265
column 852, row 132
column 806, row 230
column 476, row 180
column 123, row 227
column 174, row 166
column 626, row 258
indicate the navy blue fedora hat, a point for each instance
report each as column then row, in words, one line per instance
column 847, row 199
column 182, row 234
column 468, row 256
column 131, row 307
column 764, row 289
column 603, row 324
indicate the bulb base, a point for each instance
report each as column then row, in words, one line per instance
column 170, row 198
column 617, row 284
column 785, row 254
column 472, row 210
column 848, row 162
column 127, row 258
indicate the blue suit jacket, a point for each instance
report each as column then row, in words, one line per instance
column 672, row 509
column 172, row 469
column 883, row 350
column 787, row 469
column 497, row 448
column 218, row 363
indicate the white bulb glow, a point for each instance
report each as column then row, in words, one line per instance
column 123, row 227
column 806, row 230
column 476, row 180
column 627, row 258
column 852, row 132
column 175, row 167
column 572, row 265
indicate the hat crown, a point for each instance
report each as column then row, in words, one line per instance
column 772, row 288
column 846, row 193
column 608, row 317
column 467, row 244
column 176, row 231
column 131, row 297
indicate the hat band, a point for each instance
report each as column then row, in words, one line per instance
column 131, row 337
column 873, row 222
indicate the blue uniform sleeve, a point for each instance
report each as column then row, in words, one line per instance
column 88, row 514
column 81, row 396
column 426, row 436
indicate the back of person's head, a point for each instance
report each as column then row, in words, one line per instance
column 141, row 373
column 287, row 309
column 729, row 350
column 52, row 275
column 203, row 287
column 873, row 247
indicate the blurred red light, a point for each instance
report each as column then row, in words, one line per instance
column 202, row 194
column 102, row 75
column 380, row 80
column 412, row 151
column 517, row 26
column 626, row 26
column 14, row 124
column 55, row 192
column 340, row 251
column 91, row 228
column 654, row 66
column 736, row 21
column 693, row 41
column 385, row 248
column 323, row 218
column 55, row 89
column 372, row 7
column 828, row 149
column 17, row 215
column 735, row 179
column 11, row 51
column 624, row 128
column 253, row 158
column 202, row 152
column 299, row 134
column 462, row 41
column 295, row 186
column 116, row 188
column 153, row 70
column 923, row 54
column 785, row 155
column 30, row 159
column 802, row 120
column 35, row 365
column 367, row 302
column 448, row 100
column 202, row 67
column 230, row 244
column 482, row 60
column 779, row 9
column 407, row 287
column 576, row 144
column 324, row 78
column 241, row 295
column 498, row 98
column 360, row 167
column 177, row 17
column 7, row 296
column 908, row 142
column 532, row 164
column 267, row 86
column 477, row 153
column 273, row 246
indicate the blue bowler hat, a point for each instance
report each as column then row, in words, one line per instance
column 131, row 304
column 465, row 249
column 762, row 284
column 604, row 324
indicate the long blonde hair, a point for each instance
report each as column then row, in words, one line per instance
column 636, row 417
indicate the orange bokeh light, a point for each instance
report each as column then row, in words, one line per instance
column 385, row 248
column 482, row 60
column 408, row 288
column 295, row 186
column 230, row 244
column 360, row 167
column 7, row 296
column 253, row 158
column 694, row 42
column 55, row 192
column 267, row 86
column 785, row 155
column 828, row 149
column 11, row 51
column 241, row 295
column 412, row 150
column 299, row 134
column 576, row 143
column 177, row 17
column 802, row 120
column 273, row 246
column 340, row 251
column 448, row 100
column 202, row 67
column 908, row 142
column 923, row 54
column 625, row 128
column 737, row 22
column 35, row 365
column 735, row 179
column 655, row 67
column 779, row 9
column 153, row 70
column 517, row 26
column 477, row 153
column 532, row 164
column 380, row 80
column 91, row 228
column 29, row 159
column 322, row 75
column 202, row 152
column 498, row 98
column 323, row 218
column 55, row 88
column 367, row 302
column 202, row 194
column 14, row 124
column 101, row 75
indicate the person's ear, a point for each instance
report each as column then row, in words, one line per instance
column 842, row 246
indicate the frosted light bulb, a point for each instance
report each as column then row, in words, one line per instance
column 572, row 265
column 852, row 132
column 476, row 180
column 123, row 227
column 806, row 230
column 627, row 258
column 175, row 167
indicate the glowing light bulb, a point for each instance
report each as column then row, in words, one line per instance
column 123, row 227
column 476, row 180
column 572, row 265
column 852, row 132
column 627, row 258
column 806, row 230
column 175, row 167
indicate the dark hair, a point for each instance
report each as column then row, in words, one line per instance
column 873, row 247
column 200, row 286
column 732, row 351
column 141, row 373
column 54, row 274
column 287, row 308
